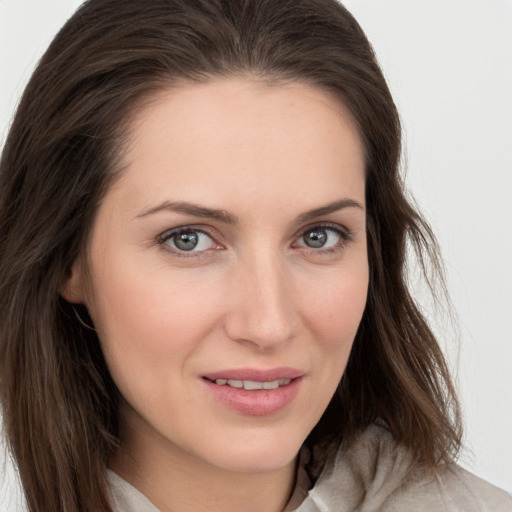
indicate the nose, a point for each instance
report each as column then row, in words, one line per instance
column 262, row 312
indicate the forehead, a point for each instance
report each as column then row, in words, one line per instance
column 245, row 136
column 246, row 101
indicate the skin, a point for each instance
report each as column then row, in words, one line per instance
column 253, row 294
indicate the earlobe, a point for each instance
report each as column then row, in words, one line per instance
column 71, row 288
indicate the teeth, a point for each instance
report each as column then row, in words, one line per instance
column 252, row 385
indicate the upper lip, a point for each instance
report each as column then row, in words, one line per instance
column 255, row 374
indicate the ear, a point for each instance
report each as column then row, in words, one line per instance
column 72, row 286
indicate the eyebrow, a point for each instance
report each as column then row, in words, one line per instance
column 192, row 209
column 329, row 208
column 203, row 212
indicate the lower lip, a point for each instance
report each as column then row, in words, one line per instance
column 261, row 402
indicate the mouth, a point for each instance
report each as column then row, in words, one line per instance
column 254, row 392
column 251, row 385
column 234, row 376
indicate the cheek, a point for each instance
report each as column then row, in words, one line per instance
column 335, row 309
column 151, row 317
column 333, row 313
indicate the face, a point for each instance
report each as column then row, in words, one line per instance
column 228, row 270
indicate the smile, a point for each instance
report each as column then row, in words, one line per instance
column 252, row 385
column 255, row 392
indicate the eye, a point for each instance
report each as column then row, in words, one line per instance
column 188, row 240
column 323, row 237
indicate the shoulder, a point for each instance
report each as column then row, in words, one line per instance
column 374, row 473
column 125, row 497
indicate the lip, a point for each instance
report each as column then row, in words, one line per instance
column 258, row 402
column 257, row 375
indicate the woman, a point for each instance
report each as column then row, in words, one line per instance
column 202, row 279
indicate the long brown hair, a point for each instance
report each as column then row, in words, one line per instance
column 61, row 155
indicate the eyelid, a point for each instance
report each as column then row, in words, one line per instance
column 169, row 233
column 333, row 226
column 345, row 234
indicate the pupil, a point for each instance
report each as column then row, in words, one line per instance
column 186, row 241
column 316, row 238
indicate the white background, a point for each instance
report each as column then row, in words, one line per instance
column 449, row 66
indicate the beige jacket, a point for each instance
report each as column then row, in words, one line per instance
column 373, row 475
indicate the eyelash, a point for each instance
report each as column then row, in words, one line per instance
column 345, row 237
column 169, row 235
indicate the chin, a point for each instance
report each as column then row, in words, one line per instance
column 257, row 452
